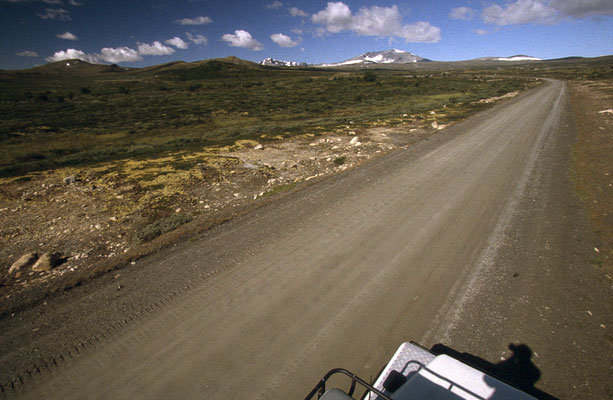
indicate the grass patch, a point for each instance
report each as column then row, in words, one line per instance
column 185, row 106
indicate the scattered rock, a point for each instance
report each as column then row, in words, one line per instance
column 354, row 140
column 69, row 180
column 609, row 111
column 258, row 147
column 47, row 262
column 436, row 126
column 24, row 262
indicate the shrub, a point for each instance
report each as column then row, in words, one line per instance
column 194, row 87
column 370, row 76
column 85, row 90
column 162, row 226
column 340, row 160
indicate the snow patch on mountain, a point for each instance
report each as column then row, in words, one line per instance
column 393, row 56
column 518, row 58
column 281, row 63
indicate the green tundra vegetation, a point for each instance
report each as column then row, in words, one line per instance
column 72, row 113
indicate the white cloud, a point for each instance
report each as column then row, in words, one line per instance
column 377, row 21
column 197, row 39
column 117, row 55
column 72, row 54
column 54, row 2
column 420, row 32
column 27, row 53
column 283, row 40
column 374, row 21
column 177, row 42
column 242, row 38
column 544, row 11
column 59, row 14
column 463, row 13
column 107, row 54
column 480, row 31
column 519, row 12
column 583, row 8
column 74, row 3
column 275, row 5
column 67, row 36
column 154, row 49
column 296, row 12
column 336, row 17
column 194, row 21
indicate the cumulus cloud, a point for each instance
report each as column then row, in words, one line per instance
column 275, row 5
column 194, row 21
column 480, row 31
column 377, row 21
column 67, row 36
column 74, row 3
column 107, row 54
column 177, row 42
column 197, row 39
column 72, row 54
column 59, row 14
column 283, row 40
column 242, row 38
column 154, row 49
column 335, row 17
column 117, row 55
column 519, row 12
column 374, row 21
column 296, row 12
column 462, row 13
column 544, row 11
column 27, row 53
column 420, row 32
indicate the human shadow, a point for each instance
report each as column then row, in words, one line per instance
column 518, row 370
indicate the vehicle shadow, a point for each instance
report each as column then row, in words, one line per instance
column 517, row 370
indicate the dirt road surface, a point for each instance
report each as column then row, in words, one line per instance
column 337, row 274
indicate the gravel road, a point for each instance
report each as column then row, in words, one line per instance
column 336, row 274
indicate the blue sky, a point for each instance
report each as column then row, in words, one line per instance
column 146, row 32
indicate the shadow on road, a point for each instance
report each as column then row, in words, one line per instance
column 517, row 370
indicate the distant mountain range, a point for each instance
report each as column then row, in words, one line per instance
column 230, row 66
column 392, row 56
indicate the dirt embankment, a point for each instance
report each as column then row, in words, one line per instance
column 101, row 217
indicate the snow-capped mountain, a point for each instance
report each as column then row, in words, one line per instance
column 280, row 63
column 519, row 57
column 381, row 57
